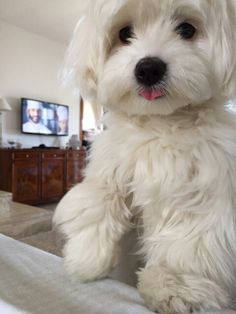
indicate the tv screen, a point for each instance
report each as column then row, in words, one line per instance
column 45, row 118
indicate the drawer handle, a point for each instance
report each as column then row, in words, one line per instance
column 27, row 156
column 55, row 155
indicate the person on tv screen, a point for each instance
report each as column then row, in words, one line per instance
column 62, row 116
column 34, row 111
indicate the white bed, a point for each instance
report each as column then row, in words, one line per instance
column 33, row 281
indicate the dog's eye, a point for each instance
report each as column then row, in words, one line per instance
column 186, row 30
column 125, row 34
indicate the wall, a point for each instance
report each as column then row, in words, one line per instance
column 29, row 67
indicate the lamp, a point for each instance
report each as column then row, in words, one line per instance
column 4, row 106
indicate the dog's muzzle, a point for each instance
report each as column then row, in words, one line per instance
column 149, row 72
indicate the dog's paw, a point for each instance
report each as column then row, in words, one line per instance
column 167, row 292
column 162, row 300
column 88, row 261
column 169, row 305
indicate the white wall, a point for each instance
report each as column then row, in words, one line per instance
column 29, row 67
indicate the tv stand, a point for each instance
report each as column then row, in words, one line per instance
column 37, row 176
column 45, row 147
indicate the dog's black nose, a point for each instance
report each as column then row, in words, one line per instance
column 150, row 71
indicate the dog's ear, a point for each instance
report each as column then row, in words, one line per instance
column 225, row 45
column 88, row 46
column 82, row 56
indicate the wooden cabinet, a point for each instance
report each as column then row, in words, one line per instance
column 53, row 174
column 40, row 176
column 26, row 176
column 74, row 167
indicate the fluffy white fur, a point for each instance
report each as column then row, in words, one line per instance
column 171, row 160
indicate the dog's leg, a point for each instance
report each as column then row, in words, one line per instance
column 168, row 292
column 93, row 216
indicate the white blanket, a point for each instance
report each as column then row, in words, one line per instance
column 33, row 281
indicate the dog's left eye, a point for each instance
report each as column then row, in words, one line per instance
column 186, row 30
column 125, row 34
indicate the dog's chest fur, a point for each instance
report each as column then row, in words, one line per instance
column 180, row 170
column 191, row 148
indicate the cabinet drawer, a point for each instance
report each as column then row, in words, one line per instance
column 76, row 154
column 53, row 155
column 25, row 155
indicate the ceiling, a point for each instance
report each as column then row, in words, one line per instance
column 54, row 19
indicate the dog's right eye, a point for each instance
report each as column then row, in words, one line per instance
column 125, row 34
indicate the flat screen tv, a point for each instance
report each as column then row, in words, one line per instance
column 44, row 118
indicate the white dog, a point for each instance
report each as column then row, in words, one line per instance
column 164, row 70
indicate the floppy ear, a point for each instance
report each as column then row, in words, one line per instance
column 82, row 58
column 87, row 50
column 225, row 45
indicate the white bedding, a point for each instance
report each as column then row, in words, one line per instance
column 33, row 281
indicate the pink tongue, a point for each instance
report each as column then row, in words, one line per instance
column 151, row 94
